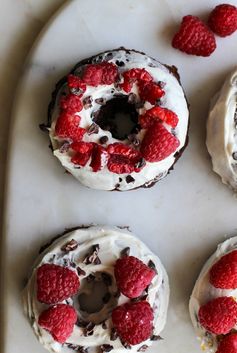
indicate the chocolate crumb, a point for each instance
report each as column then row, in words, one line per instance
column 156, row 338
column 113, row 335
column 134, row 140
column 93, row 129
column 90, row 278
column 152, row 265
column 72, row 264
column 106, row 347
column 143, row 348
column 129, row 179
column 76, row 91
column 80, row 271
column 76, row 348
column 70, row 246
column 161, row 84
column 132, row 98
column 103, row 325
column 125, row 252
column 87, row 102
column 106, row 298
column 103, row 139
column 89, row 329
column 65, row 147
column 81, row 323
column 120, row 63
column 120, row 180
column 234, row 155
column 126, row 345
column 100, row 101
column 93, row 258
column 141, row 163
column 82, row 349
column 106, row 278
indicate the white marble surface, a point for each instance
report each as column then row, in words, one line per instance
column 181, row 219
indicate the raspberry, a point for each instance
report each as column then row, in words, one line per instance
column 133, row 322
column 158, row 143
column 223, row 273
column 219, row 315
column 223, row 20
column 76, row 85
column 132, row 276
column 83, row 152
column 194, row 37
column 56, row 283
column 150, row 92
column 67, row 126
column 71, row 103
column 133, row 75
column 228, row 344
column 99, row 158
column 59, row 321
column 100, row 74
column 156, row 114
column 123, row 159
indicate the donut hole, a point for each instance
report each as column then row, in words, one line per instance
column 97, row 297
column 119, row 116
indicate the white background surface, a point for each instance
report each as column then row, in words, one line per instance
column 182, row 218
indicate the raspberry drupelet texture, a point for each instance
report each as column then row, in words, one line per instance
column 223, row 20
column 228, row 344
column 67, row 127
column 158, row 143
column 223, row 273
column 133, row 322
column 100, row 74
column 219, row 315
column 56, row 283
column 132, row 276
column 123, row 158
column 158, row 114
column 194, row 37
column 59, row 321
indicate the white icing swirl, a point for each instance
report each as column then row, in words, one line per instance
column 111, row 242
column 203, row 292
column 174, row 100
column 222, row 132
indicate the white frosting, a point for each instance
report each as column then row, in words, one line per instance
column 222, row 132
column 174, row 100
column 203, row 292
column 111, row 242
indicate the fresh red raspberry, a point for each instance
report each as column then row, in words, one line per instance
column 123, row 159
column 219, row 315
column 99, row 158
column 132, row 276
column 133, row 322
column 76, row 84
column 133, row 75
column 56, row 283
column 150, row 92
column 228, row 344
column 83, row 152
column 194, row 37
column 223, row 20
column 223, row 273
column 103, row 73
column 71, row 103
column 59, row 321
column 156, row 114
column 67, row 127
column 158, row 143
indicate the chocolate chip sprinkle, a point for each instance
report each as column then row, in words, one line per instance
column 89, row 329
column 70, row 246
column 143, row 348
column 156, row 338
column 129, row 179
column 90, row 278
column 141, row 163
column 234, row 155
column 77, row 348
column 103, row 139
column 76, row 91
column 120, row 180
column 81, row 323
column 80, row 271
column 152, row 265
column 113, row 335
column 126, row 345
column 106, row 347
column 125, row 252
column 87, row 102
column 93, row 258
column 93, row 129
column 100, row 101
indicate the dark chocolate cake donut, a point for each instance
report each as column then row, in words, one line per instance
column 119, row 120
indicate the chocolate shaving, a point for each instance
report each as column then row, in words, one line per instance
column 80, row 271
column 129, row 179
column 134, row 140
column 126, row 345
column 90, row 278
column 107, row 279
column 72, row 264
column 106, row 347
column 106, row 298
column 156, row 338
column 81, row 323
column 100, row 101
column 93, row 258
column 161, row 84
column 113, row 335
column 89, row 329
column 76, row 90
column 125, row 252
column 87, row 102
column 152, row 265
column 103, row 139
column 77, row 348
column 141, row 163
column 93, row 129
column 120, row 180
column 70, row 246
column 143, row 348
